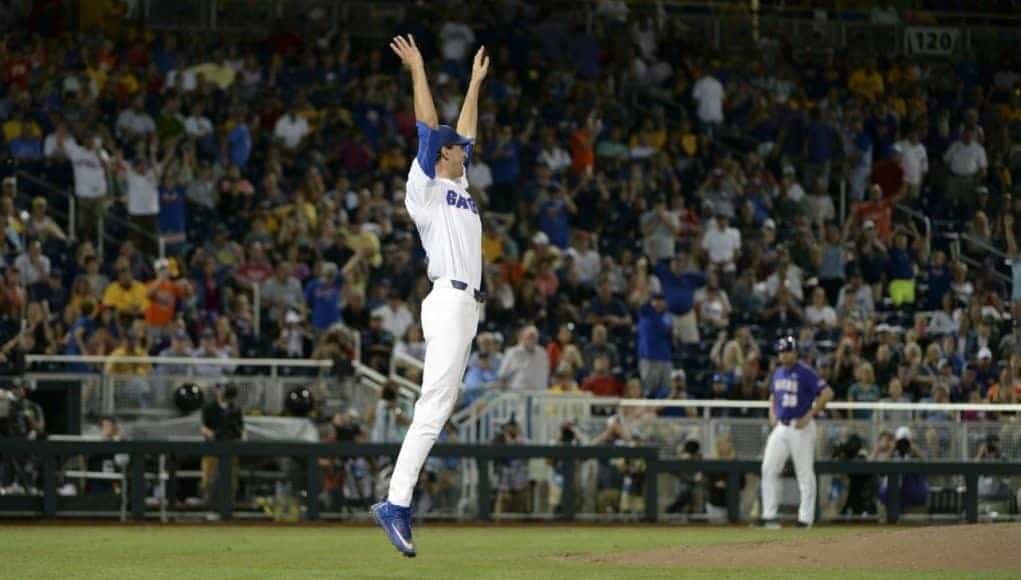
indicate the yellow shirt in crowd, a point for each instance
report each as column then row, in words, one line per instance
column 126, row 300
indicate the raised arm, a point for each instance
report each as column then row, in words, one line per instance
column 407, row 51
column 467, row 122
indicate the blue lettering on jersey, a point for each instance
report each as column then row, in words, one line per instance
column 461, row 202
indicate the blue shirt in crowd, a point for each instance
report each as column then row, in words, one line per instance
column 679, row 290
column 655, row 334
column 324, row 300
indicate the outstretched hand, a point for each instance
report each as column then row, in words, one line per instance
column 480, row 67
column 408, row 52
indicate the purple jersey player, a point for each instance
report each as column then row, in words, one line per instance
column 796, row 395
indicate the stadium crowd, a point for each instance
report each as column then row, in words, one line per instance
column 654, row 215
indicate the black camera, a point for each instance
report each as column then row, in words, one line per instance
column 692, row 447
column 903, row 446
column 849, row 449
column 13, row 420
column 993, row 444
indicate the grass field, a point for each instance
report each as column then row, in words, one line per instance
column 346, row 551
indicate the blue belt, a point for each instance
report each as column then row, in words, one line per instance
column 478, row 295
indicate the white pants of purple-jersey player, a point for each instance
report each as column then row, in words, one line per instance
column 787, row 441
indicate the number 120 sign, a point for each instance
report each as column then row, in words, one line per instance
column 932, row 40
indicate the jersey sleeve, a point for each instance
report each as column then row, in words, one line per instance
column 815, row 382
column 418, row 184
column 428, row 148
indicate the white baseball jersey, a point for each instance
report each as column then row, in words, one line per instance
column 446, row 216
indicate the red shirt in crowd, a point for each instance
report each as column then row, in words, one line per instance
column 889, row 176
column 603, row 386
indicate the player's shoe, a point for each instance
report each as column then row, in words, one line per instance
column 768, row 524
column 396, row 522
column 801, row 524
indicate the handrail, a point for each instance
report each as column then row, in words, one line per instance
column 43, row 183
column 175, row 360
column 918, row 216
column 729, row 404
column 983, row 245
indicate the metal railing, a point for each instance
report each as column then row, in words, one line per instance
column 939, row 428
column 49, row 455
column 102, row 236
column 263, row 387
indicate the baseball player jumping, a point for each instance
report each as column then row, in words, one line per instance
column 796, row 395
column 448, row 222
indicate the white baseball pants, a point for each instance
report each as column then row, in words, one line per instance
column 798, row 444
column 450, row 318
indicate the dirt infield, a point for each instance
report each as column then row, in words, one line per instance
column 970, row 548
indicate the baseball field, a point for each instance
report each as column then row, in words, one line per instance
column 506, row 551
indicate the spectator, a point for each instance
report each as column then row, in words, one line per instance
column 208, row 348
column 655, row 329
column 134, row 123
column 608, row 310
column 40, row 225
column 914, row 488
column 222, row 420
column 865, row 390
column 33, row 266
column 709, row 95
column 525, row 366
column 598, row 346
column 293, row 340
column 282, row 292
column 395, row 313
column 90, row 186
column 600, row 382
column 126, row 295
column 855, row 298
column 712, row 304
column 512, row 474
column 820, row 314
column 679, row 284
column 480, row 376
column 291, row 129
column 915, row 161
column 163, row 295
column 660, row 228
column 180, row 347
column 966, row 160
column 388, row 419
column 678, row 392
column 562, row 383
column 562, row 352
column 323, row 297
column 901, row 271
column 377, row 344
column 137, row 387
column 716, row 483
column 587, row 262
column 722, row 243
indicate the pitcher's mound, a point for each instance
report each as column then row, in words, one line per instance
column 964, row 547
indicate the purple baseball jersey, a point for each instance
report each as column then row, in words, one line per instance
column 794, row 390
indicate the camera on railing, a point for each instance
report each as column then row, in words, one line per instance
column 14, row 420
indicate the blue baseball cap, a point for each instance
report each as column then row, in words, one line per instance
column 446, row 135
column 719, row 378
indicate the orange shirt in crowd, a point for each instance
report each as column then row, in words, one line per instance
column 163, row 297
column 880, row 212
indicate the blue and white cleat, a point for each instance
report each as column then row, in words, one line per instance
column 396, row 522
